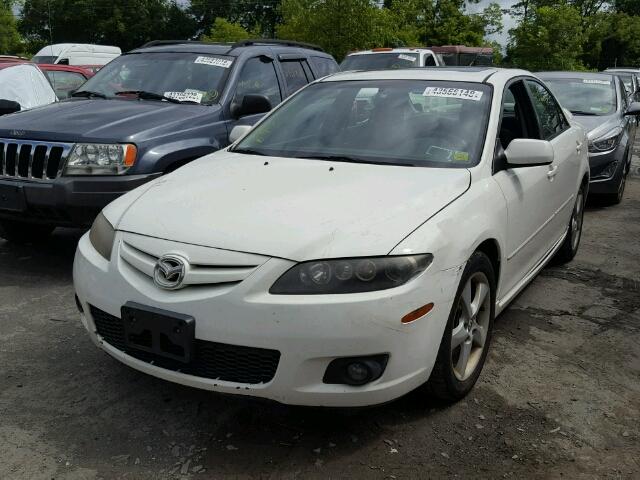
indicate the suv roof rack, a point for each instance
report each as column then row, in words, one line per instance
column 273, row 41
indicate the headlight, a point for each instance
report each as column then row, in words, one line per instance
column 351, row 275
column 606, row 142
column 102, row 235
column 100, row 159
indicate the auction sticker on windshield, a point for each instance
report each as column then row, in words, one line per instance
column 186, row 96
column 597, row 82
column 463, row 93
column 407, row 57
column 215, row 62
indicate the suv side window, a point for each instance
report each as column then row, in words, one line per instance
column 429, row 61
column 550, row 117
column 323, row 66
column 258, row 76
column 294, row 75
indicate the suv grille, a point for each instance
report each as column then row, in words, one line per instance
column 217, row 361
column 32, row 159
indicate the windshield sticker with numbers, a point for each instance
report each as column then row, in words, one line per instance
column 408, row 58
column 463, row 93
column 214, row 62
column 186, row 96
column 596, row 82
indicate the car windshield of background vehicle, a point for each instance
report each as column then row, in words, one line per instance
column 188, row 77
column 380, row 61
column 400, row 122
column 44, row 59
column 585, row 96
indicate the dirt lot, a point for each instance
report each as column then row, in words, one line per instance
column 559, row 397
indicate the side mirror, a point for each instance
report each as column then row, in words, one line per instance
column 251, row 104
column 238, row 132
column 9, row 106
column 634, row 109
column 528, row 152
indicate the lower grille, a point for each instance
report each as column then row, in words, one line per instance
column 32, row 159
column 217, row 361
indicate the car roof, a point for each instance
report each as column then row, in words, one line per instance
column 232, row 49
column 65, row 68
column 459, row 74
column 568, row 74
column 623, row 70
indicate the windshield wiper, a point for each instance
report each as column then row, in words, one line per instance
column 348, row 159
column 248, row 151
column 581, row 112
column 152, row 96
column 88, row 94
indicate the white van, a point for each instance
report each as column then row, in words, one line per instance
column 77, row 54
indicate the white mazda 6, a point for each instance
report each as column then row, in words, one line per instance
column 353, row 246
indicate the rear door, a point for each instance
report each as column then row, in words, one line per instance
column 568, row 143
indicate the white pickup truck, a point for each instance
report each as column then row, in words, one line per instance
column 391, row 58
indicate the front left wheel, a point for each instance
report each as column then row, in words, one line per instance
column 467, row 336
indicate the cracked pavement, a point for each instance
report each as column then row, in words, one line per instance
column 559, row 395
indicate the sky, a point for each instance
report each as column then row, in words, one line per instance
column 507, row 20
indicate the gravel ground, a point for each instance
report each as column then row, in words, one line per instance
column 559, row 396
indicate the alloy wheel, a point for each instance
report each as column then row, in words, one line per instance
column 469, row 333
column 576, row 221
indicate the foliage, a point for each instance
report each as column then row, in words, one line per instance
column 9, row 38
column 225, row 31
column 548, row 39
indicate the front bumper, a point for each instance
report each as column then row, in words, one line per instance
column 309, row 331
column 600, row 182
column 69, row 201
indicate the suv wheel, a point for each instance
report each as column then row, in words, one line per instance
column 467, row 336
column 21, row 232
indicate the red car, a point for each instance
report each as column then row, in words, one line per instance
column 64, row 78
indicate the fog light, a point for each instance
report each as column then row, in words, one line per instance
column 355, row 371
column 358, row 372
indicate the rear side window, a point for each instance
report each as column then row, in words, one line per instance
column 64, row 82
column 323, row 66
column 550, row 116
column 258, row 76
column 294, row 75
column 429, row 61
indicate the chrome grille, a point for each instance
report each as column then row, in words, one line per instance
column 32, row 159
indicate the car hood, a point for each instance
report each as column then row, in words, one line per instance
column 597, row 125
column 103, row 120
column 289, row 208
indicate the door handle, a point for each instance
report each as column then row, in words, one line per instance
column 552, row 172
column 579, row 147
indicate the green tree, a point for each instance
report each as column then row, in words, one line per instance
column 550, row 38
column 9, row 37
column 225, row 31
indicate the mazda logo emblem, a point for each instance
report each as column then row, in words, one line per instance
column 169, row 272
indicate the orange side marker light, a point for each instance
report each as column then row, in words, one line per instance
column 418, row 313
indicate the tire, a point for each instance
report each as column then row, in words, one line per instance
column 616, row 198
column 450, row 380
column 21, row 232
column 571, row 242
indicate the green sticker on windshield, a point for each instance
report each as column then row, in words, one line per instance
column 461, row 156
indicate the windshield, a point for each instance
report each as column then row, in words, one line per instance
column 44, row 59
column 180, row 76
column 380, row 61
column 585, row 96
column 399, row 122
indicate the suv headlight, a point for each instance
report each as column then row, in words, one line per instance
column 606, row 142
column 102, row 235
column 100, row 159
column 350, row 275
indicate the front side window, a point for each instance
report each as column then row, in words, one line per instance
column 400, row 122
column 585, row 96
column 64, row 82
column 380, row 61
column 550, row 116
column 182, row 76
column 294, row 75
column 258, row 76
column 323, row 66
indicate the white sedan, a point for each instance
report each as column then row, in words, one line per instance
column 353, row 246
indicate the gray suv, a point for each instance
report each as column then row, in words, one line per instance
column 599, row 102
column 145, row 114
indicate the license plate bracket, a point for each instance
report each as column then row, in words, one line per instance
column 12, row 197
column 166, row 334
